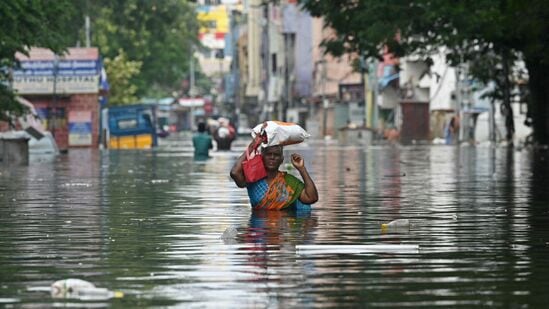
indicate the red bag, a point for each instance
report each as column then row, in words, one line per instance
column 253, row 167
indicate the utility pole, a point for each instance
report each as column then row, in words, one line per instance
column 235, row 20
column 288, row 69
column 459, row 102
column 375, row 95
column 87, row 28
column 191, row 73
column 492, row 122
column 220, row 54
column 266, row 60
column 323, row 96
column 53, row 116
column 364, row 78
column 191, row 87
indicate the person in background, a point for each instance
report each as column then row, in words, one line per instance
column 279, row 190
column 202, row 143
column 452, row 131
column 225, row 134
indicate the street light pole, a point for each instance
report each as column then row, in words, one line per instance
column 191, row 73
column 375, row 96
column 323, row 96
column 234, row 66
column 459, row 103
column 53, row 114
column 191, row 88
column 364, row 78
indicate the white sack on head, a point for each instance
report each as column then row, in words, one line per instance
column 223, row 121
column 223, row 132
column 281, row 133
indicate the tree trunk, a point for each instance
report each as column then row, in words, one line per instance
column 538, row 85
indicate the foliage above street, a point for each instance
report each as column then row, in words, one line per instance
column 158, row 34
column 147, row 43
column 24, row 24
column 465, row 27
column 471, row 30
column 120, row 71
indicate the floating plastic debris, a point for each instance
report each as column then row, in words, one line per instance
column 81, row 289
column 155, row 181
column 396, row 226
column 229, row 233
column 355, row 249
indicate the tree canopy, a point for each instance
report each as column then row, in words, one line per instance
column 24, row 24
column 149, row 40
column 120, row 71
column 465, row 27
column 469, row 29
column 158, row 34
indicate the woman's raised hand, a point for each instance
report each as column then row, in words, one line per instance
column 297, row 161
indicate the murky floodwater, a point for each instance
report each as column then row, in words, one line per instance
column 148, row 224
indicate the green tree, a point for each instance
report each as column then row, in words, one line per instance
column 24, row 24
column 120, row 71
column 159, row 34
column 500, row 30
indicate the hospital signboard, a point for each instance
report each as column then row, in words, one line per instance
column 42, row 72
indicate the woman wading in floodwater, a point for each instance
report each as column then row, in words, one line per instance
column 279, row 190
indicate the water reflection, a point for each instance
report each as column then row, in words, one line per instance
column 148, row 223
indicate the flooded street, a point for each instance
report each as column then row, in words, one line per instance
column 148, row 224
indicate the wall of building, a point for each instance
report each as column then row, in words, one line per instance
column 442, row 84
column 329, row 72
column 76, row 121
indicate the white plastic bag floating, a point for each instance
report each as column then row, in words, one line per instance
column 281, row 133
column 81, row 289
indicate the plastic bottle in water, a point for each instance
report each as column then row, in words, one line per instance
column 398, row 226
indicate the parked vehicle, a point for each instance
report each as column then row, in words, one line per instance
column 129, row 127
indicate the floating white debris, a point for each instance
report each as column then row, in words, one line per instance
column 9, row 300
column 155, row 181
column 396, row 226
column 77, row 184
column 355, row 249
column 229, row 233
column 81, row 289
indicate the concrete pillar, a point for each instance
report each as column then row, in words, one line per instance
column 14, row 151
